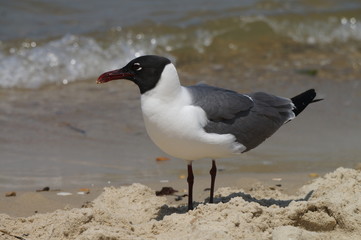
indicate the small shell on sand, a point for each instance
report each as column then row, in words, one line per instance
column 313, row 175
column 84, row 191
column 160, row 159
column 64, row 194
column 10, row 194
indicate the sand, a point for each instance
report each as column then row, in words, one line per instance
column 327, row 208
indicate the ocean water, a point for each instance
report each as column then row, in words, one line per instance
column 44, row 42
column 58, row 127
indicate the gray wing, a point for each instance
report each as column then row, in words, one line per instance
column 218, row 103
column 250, row 118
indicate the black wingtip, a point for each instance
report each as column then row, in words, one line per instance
column 302, row 100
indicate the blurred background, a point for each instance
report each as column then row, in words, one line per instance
column 58, row 128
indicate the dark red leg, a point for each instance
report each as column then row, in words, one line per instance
column 213, row 173
column 190, row 181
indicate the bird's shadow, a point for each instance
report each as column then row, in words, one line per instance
column 166, row 210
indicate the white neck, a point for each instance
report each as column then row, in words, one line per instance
column 168, row 85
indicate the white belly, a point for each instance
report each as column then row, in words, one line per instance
column 176, row 127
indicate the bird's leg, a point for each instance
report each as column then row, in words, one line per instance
column 190, row 181
column 213, row 173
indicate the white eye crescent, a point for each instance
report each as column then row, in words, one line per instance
column 137, row 67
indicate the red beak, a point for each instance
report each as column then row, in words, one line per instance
column 113, row 75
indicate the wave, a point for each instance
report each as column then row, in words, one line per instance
column 320, row 32
column 62, row 61
column 76, row 57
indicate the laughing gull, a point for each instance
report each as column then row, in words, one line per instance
column 203, row 121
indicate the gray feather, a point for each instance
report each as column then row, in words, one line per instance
column 250, row 118
column 218, row 103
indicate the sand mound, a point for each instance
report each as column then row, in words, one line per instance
column 328, row 208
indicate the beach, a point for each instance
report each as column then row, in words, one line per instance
column 31, row 201
column 84, row 145
column 326, row 208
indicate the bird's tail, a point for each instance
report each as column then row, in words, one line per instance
column 302, row 100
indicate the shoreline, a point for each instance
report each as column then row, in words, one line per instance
column 30, row 202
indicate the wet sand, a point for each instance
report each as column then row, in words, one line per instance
column 83, row 134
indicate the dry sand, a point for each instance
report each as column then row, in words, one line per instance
column 327, row 208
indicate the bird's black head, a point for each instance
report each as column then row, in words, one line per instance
column 145, row 71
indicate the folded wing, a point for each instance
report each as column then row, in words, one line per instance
column 251, row 118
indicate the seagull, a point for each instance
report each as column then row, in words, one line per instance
column 203, row 121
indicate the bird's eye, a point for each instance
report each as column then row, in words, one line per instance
column 137, row 67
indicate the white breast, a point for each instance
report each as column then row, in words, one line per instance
column 176, row 126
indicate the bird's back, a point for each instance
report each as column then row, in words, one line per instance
column 251, row 118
